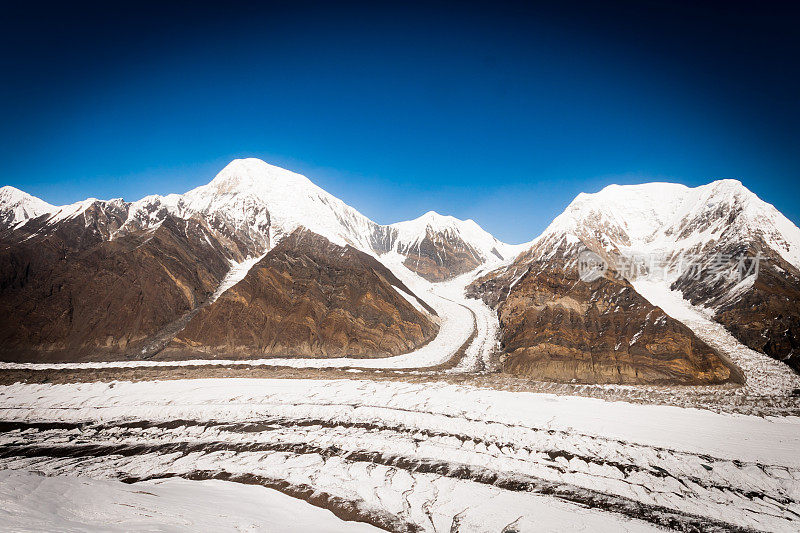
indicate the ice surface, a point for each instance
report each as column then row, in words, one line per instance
column 424, row 451
column 33, row 502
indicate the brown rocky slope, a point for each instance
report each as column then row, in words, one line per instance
column 555, row 326
column 68, row 292
column 308, row 297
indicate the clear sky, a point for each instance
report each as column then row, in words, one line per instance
column 499, row 112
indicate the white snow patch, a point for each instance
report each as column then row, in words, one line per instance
column 410, row 299
column 236, row 274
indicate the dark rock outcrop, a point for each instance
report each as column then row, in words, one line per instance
column 761, row 310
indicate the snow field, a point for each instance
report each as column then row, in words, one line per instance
column 638, row 460
column 30, row 501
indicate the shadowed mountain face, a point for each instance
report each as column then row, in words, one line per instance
column 438, row 257
column 760, row 310
column 308, row 297
column 71, row 293
column 556, row 326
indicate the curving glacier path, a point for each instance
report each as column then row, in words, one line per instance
column 764, row 375
column 460, row 319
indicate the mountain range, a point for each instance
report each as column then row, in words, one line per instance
column 262, row 262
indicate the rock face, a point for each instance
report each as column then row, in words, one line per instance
column 308, row 297
column 766, row 318
column 557, row 327
column 70, row 293
column 757, row 303
column 761, row 310
column 439, row 258
column 439, row 247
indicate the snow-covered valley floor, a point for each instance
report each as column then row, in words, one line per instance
column 428, row 457
column 32, row 502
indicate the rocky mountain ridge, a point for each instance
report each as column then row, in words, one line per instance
column 251, row 205
column 17, row 206
column 309, row 297
column 554, row 325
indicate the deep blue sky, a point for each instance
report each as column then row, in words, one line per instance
column 496, row 112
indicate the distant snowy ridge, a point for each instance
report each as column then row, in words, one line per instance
column 17, row 206
column 672, row 219
column 406, row 236
column 258, row 204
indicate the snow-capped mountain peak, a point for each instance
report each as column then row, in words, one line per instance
column 252, row 205
column 258, row 177
column 256, row 196
column 17, row 206
column 671, row 218
column 415, row 229
column 433, row 225
column 252, row 196
column 629, row 213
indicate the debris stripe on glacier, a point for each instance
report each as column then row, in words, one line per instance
column 710, row 467
column 652, row 484
column 735, row 437
column 419, row 501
